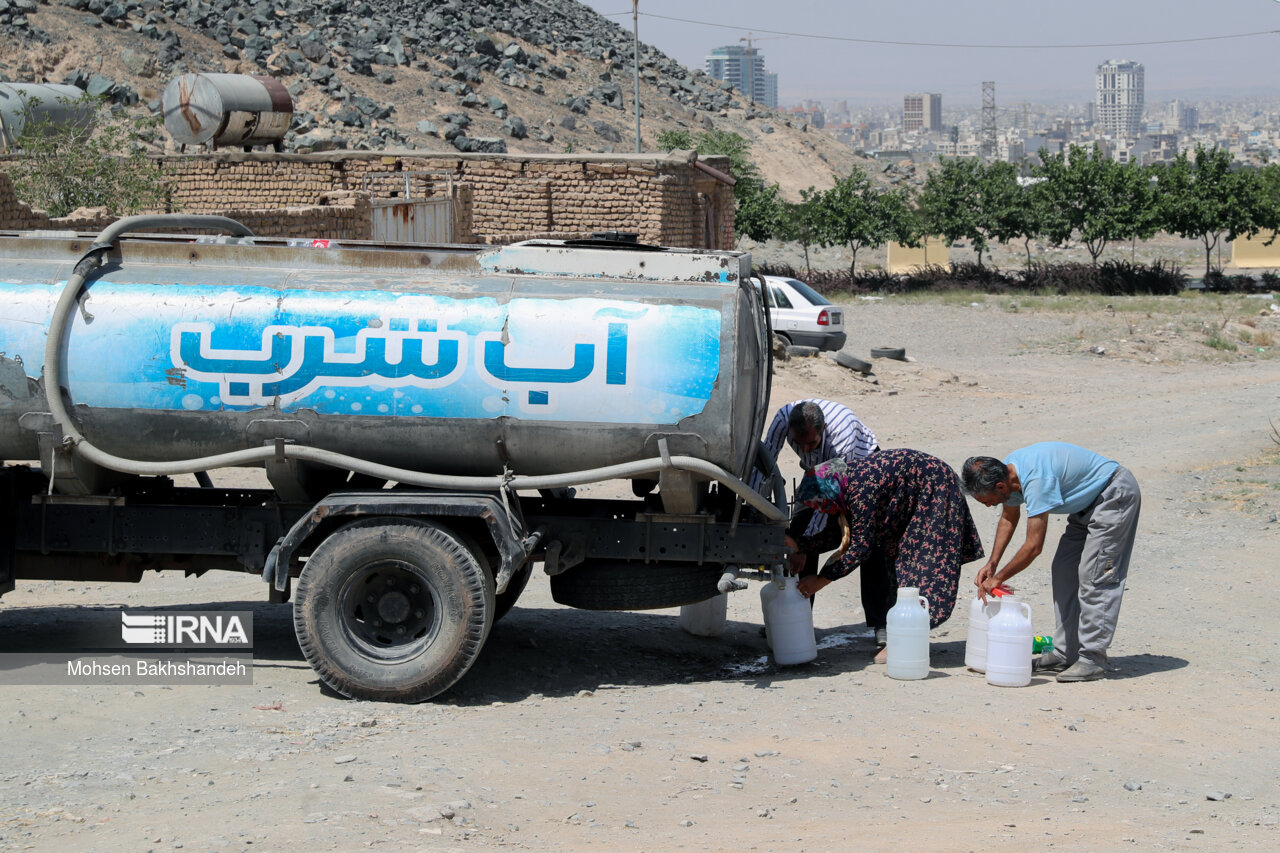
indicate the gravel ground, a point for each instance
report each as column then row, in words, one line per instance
column 582, row 730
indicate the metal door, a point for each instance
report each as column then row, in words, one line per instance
column 413, row 221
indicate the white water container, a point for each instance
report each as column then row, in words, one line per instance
column 706, row 618
column 790, row 622
column 907, row 650
column 768, row 593
column 1009, row 644
column 975, row 644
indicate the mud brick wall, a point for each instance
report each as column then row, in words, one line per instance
column 14, row 215
column 345, row 218
column 666, row 200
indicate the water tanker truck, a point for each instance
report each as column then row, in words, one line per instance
column 425, row 417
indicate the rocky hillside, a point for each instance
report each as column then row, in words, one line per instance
column 521, row 76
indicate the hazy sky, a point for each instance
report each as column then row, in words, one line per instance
column 1036, row 50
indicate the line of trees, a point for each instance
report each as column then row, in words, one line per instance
column 1079, row 195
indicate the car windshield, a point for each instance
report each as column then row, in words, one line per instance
column 814, row 297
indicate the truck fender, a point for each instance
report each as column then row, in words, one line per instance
column 501, row 519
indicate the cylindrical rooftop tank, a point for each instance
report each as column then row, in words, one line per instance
column 226, row 109
column 537, row 358
column 49, row 105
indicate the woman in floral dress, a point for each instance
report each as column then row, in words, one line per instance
column 907, row 503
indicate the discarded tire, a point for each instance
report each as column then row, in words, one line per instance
column 802, row 352
column 853, row 362
column 897, row 353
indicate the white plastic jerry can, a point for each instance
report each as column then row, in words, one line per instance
column 975, row 644
column 790, row 622
column 1009, row 644
column 907, row 629
column 706, row 618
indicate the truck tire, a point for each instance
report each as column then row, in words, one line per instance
column 392, row 610
column 633, row 585
column 853, row 362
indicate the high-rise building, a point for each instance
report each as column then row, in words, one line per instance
column 743, row 67
column 768, row 92
column 1183, row 117
column 922, row 111
column 1120, row 95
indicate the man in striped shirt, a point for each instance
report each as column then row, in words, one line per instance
column 818, row 430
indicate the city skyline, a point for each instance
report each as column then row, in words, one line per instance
column 822, row 50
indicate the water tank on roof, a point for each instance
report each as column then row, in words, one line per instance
column 227, row 109
column 51, row 106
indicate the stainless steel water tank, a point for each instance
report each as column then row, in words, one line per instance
column 226, row 109
column 23, row 104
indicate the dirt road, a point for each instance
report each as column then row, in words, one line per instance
column 582, row 730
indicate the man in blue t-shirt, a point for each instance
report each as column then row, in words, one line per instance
column 1101, row 501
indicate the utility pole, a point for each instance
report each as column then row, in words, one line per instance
column 635, row 42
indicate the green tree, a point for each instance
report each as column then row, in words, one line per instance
column 671, row 140
column 1269, row 187
column 1205, row 199
column 857, row 213
column 950, row 200
column 1269, row 181
column 1090, row 197
column 801, row 223
column 969, row 200
column 759, row 209
column 64, row 168
column 1140, row 218
column 1024, row 218
column 728, row 144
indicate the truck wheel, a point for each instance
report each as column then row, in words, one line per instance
column 507, row 600
column 392, row 610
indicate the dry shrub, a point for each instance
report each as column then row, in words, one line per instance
column 1216, row 281
column 1112, row 278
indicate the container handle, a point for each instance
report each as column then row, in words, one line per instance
column 1026, row 608
column 924, row 602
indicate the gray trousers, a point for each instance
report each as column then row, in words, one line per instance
column 1090, row 567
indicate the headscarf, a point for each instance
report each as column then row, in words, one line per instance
column 823, row 489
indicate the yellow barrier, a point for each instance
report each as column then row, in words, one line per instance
column 1250, row 253
column 935, row 252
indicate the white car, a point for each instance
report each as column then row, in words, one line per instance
column 803, row 317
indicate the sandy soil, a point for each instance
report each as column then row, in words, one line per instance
column 585, row 730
